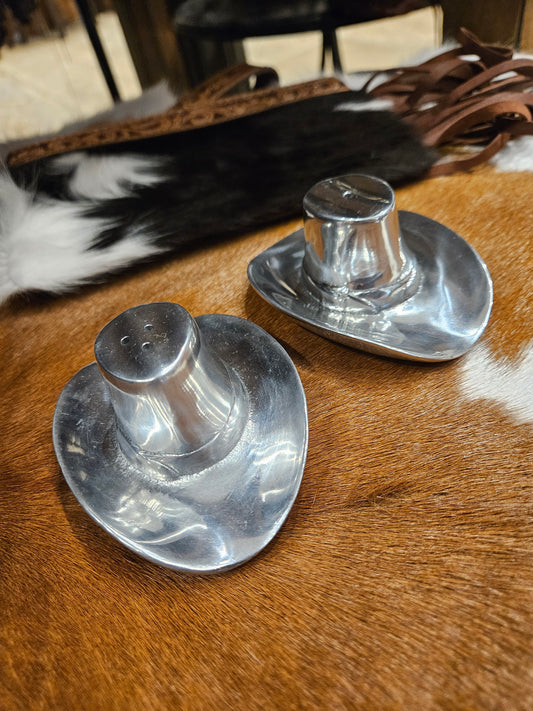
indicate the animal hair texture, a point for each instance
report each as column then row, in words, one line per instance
column 82, row 216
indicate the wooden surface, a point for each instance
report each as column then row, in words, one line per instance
column 402, row 578
column 493, row 21
column 152, row 43
column 526, row 43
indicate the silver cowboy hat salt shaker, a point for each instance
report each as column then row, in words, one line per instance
column 187, row 438
column 361, row 273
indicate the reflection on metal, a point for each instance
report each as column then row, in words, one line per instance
column 394, row 284
column 187, row 439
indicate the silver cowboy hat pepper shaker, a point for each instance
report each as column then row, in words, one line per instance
column 388, row 282
column 187, row 438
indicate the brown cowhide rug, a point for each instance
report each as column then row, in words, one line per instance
column 402, row 578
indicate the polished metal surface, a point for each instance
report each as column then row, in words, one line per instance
column 353, row 245
column 363, row 274
column 187, row 439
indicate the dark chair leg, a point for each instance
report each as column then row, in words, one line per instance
column 330, row 47
column 88, row 20
column 337, row 64
column 326, row 49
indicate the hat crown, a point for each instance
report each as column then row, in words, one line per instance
column 353, row 242
column 170, row 395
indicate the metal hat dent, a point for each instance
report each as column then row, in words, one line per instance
column 187, row 439
column 388, row 282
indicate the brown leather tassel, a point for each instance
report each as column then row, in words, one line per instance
column 473, row 95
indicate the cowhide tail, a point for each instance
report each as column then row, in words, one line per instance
column 81, row 216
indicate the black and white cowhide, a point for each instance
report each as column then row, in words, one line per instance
column 75, row 217
column 79, row 217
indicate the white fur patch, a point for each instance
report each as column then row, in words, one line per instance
column 357, row 80
column 154, row 100
column 517, row 155
column 102, row 177
column 373, row 105
column 505, row 382
column 46, row 244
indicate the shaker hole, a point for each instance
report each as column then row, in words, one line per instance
column 148, row 327
column 124, row 340
column 147, row 345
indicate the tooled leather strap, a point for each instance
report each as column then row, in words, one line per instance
column 473, row 94
column 206, row 105
column 222, row 83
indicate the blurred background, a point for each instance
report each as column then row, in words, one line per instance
column 64, row 60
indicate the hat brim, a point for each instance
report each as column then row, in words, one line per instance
column 440, row 321
column 215, row 519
